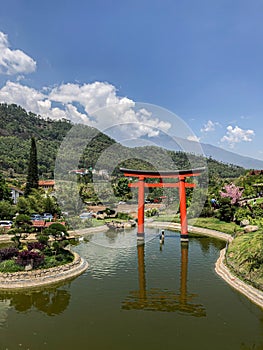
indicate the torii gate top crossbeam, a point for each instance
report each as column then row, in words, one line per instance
column 162, row 174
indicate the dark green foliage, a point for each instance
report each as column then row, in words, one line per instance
column 152, row 212
column 226, row 210
column 124, row 216
column 15, row 121
column 242, row 213
column 16, row 129
column 43, row 239
column 5, row 193
column 60, row 259
column 32, row 173
column 22, row 219
column 7, row 210
column 122, row 190
column 57, row 230
column 37, row 202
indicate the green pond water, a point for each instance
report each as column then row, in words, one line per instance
column 150, row 296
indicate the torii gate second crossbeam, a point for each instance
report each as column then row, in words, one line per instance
column 181, row 175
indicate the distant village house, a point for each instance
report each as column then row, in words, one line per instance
column 15, row 194
column 47, row 185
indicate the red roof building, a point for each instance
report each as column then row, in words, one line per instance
column 46, row 184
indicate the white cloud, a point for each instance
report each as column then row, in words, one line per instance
column 14, row 61
column 209, row 126
column 236, row 135
column 245, row 117
column 193, row 138
column 96, row 104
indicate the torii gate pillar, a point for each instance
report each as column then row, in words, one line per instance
column 183, row 214
column 140, row 232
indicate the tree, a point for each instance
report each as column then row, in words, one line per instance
column 122, row 190
column 5, row 193
column 233, row 192
column 57, row 230
column 7, row 210
column 32, row 175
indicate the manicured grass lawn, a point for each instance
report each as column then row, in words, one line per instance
column 96, row 223
column 210, row 223
column 168, row 218
column 216, row 224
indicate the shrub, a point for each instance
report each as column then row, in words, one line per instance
column 152, row 212
column 50, row 261
column 226, row 210
column 75, row 223
column 27, row 257
column 22, row 219
column 123, row 216
column 242, row 213
column 57, row 230
column 8, row 253
column 9, row 266
column 35, row 245
column 42, row 239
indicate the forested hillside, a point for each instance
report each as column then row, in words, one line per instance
column 17, row 126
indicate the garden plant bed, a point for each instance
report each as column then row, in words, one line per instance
column 41, row 277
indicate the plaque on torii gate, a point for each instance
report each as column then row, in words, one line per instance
column 181, row 184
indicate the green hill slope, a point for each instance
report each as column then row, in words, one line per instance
column 17, row 126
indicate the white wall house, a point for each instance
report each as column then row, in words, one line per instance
column 15, row 194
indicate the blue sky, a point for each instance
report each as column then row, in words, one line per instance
column 202, row 60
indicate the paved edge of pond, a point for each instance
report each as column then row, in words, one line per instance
column 250, row 292
column 43, row 277
column 254, row 294
column 88, row 230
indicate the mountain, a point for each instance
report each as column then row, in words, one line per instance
column 17, row 126
column 225, row 156
column 209, row 151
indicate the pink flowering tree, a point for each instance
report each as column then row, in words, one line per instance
column 233, row 192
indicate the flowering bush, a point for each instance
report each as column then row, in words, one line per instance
column 233, row 192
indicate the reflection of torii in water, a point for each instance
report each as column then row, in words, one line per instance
column 163, row 300
column 181, row 175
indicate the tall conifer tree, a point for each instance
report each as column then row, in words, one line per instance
column 32, row 174
column 5, row 193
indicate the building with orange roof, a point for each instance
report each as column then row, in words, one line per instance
column 47, row 185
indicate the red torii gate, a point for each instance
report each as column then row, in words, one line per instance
column 181, row 175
